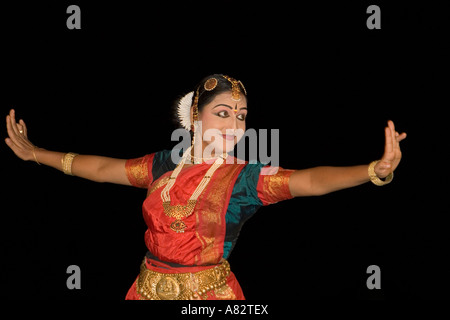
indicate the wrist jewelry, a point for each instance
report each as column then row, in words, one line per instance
column 34, row 155
column 66, row 162
column 374, row 178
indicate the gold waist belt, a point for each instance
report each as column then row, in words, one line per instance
column 152, row 285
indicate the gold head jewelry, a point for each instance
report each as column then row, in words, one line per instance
column 235, row 90
column 190, row 100
column 194, row 111
column 195, row 106
column 210, row 84
column 243, row 88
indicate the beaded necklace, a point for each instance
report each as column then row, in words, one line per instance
column 182, row 211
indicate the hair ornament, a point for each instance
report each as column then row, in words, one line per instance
column 190, row 100
column 235, row 91
column 210, row 84
column 184, row 110
column 242, row 85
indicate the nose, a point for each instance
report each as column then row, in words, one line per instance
column 234, row 123
column 231, row 124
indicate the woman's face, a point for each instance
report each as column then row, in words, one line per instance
column 223, row 123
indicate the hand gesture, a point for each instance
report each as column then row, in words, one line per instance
column 18, row 137
column 392, row 154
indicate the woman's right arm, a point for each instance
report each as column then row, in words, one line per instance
column 95, row 168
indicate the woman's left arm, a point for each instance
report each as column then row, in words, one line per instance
column 322, row 180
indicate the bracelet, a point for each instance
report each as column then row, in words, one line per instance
column 66, row 162
column 34, row 155
column 374, row 178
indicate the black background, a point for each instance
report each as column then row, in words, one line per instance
column 314, row 71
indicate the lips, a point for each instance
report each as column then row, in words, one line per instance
column 228, row 136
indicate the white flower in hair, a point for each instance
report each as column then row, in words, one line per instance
column 184, row 110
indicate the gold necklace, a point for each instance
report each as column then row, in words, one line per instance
column 198, row 160
column 179, row 211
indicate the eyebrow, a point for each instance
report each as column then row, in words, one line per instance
column 225, row 105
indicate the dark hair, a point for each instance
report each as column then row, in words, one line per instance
column 205, row 96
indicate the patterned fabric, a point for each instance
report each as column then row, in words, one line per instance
column 251, row 191
column 139, row 171
column 273, row 188
column 234, row 194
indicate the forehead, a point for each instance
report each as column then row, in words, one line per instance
column 226, row 98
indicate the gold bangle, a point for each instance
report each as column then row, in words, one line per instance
column 374, row 178
column 66, row 162
column 34, row 155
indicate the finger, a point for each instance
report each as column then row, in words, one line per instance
column 25, row 131
column 10, row 143
column 19, row 126
column 13, row 146
column 388, row 146
column 393, row 134
column 401, row 137
column 13, row 132
column 383, row 168
column 12, row 135
column 384, row 165
column 395, row 141
column 12, row 118
column 391, row 125
column 9, row 128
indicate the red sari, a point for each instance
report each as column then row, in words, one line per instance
column 203, row 244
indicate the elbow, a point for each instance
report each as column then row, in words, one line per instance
column 303, row 184
column 317, row 187
column 99, row 175
column 319, row 192
column 309, row 192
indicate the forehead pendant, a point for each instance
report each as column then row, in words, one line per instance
column 235, row 90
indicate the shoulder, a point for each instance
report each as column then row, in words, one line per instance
column 154, row 158
column 162, row 162
column 251, row 172
column 162, row 156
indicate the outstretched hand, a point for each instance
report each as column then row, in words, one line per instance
column 392, row 153
column 18, row 137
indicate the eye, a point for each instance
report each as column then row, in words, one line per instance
column 241, row 116
column 223, row 114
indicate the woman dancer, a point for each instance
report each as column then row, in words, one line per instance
column 197, row 203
